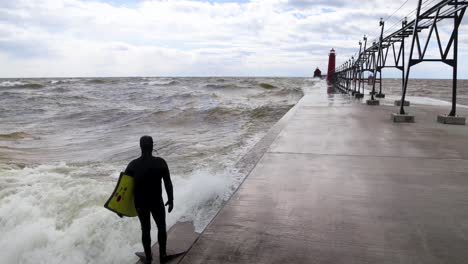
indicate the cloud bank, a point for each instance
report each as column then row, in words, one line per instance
column 62, row 38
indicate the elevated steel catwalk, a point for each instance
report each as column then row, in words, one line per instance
column 375, row 57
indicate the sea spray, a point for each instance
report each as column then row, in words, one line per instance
column 49, row 216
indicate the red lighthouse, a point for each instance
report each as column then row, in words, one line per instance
column 331, row 64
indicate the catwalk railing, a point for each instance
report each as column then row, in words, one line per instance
column 389, row 50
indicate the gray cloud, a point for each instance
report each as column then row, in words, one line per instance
column 76, row 37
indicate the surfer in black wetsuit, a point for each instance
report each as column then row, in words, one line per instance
column 148, row 171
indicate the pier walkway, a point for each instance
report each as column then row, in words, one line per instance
column 342, row 183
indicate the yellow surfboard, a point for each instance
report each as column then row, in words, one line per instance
column 121, row 200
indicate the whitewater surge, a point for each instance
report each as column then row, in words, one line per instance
column 54, row 214
column 63, row 143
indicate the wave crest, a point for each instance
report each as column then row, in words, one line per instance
column 267, row 86
column 160, row 83
column 222, row 86
column 20, row 84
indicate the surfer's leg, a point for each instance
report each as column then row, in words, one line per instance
column 159, row 215
column 145, row 221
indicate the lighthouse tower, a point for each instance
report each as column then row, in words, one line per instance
column 331, row 64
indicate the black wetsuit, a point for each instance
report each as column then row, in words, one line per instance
column 148, row 171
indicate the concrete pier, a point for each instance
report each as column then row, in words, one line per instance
column 342, row 183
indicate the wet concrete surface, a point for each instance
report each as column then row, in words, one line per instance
column 342, row 183
column 180, row 238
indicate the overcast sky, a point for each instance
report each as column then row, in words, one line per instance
column 68, row 38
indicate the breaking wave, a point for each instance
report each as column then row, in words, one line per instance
column 160, row 83
column 223, row 86
column 64, row 81
column 19, row 84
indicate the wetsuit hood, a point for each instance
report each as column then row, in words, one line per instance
column 146, row 145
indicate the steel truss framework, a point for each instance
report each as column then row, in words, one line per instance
column 389, row 51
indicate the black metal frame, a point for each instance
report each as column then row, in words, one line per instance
column 367, row 61
column 451, row 9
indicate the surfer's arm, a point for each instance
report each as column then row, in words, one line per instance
column 168, row 183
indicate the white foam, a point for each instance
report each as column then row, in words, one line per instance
column 160, row 82
column 200, row 196
column 49, row 216
column 11, row 83
column 64, row 81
